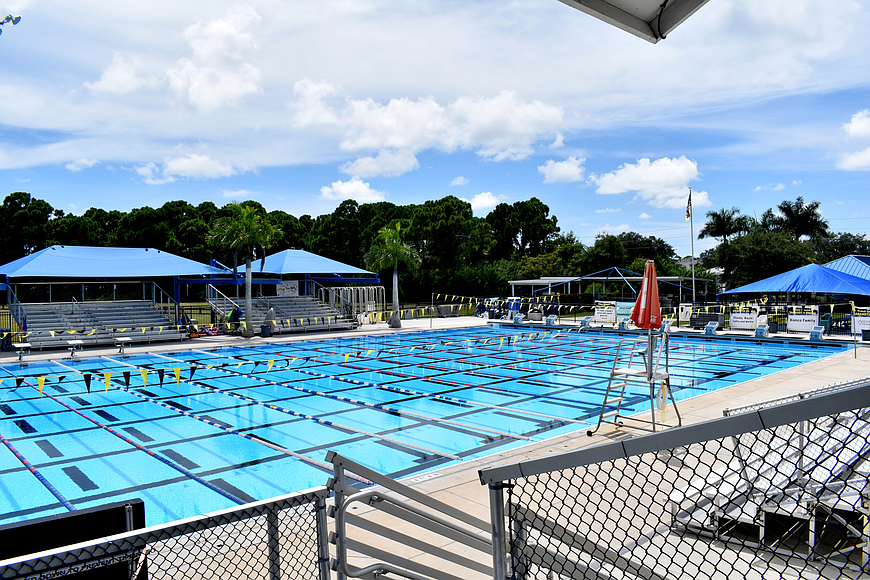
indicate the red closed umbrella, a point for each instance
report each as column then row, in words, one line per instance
column 647, row 312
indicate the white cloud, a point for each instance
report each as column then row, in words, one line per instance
column 558, row 142
column 567, row 171
column 387, row 163
column 217, row 74
column 459, row 180
column 661, row 183
column 497, row 128
column 859, row 126
column 23, row 180
column 484, row 200
column 81, row 163
column 797, row 182
column 858, row 161
column 120, row 77
column 608, row 210
column 758, row 188
column 609, row 229
column 191, row 166
column 644, row 216
column 238, row 194
column 778, row 187
column 355, row 189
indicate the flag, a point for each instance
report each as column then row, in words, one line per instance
column 689, row 206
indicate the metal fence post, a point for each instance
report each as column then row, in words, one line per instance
column 322, row 539
column 273, row 534
column 496, row 511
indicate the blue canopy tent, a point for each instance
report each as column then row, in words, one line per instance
column 302, row 262
column 61, row 264
column 812, row 278
column 852, row 264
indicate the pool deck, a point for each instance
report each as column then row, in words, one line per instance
column 459, row 485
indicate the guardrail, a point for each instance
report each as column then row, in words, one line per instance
column 776, row 492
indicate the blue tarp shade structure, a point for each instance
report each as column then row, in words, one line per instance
column 854, row 265
column 811, row 278
column 302, row 262
column 81, row 262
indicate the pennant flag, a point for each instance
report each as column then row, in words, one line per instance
column 143, row 330
column 87, row 377
column 177, row 371
column 126, row 378
column 160, row 375
column 345, row 357
column 41, row 381
column 18, row 382
column 93, row 330
column 144, row 374
column 71, row 331
column 192, row 370
column 256, row 364
column 269, row 365
column 161, row 329
column 60, row 378
column 240, row 364
column 51, row 332
column 108, row 378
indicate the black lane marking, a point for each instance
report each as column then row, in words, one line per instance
column 80, row 401
column 25, row 426
column 216, row 421
column 178, row 406
column 148, row 393
column 59, row 389
column 106, row 415
column 180, row 459
column 7, row 410
column 233, row 490
column 80, row 479
column 48, row 448
column 138, row 434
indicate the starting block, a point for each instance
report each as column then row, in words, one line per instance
column 121, row 342
column 817, row 332
column 762, row 331
column 21, row 348
column 711, row 328
column 584, row 322
column 551, row 320
column 74, row 345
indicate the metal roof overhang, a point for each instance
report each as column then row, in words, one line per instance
column 651, row 20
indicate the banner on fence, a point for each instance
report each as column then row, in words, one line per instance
column 802, row 318
column 744, row 318
column 288, row 288
column 605, row 313
column 860, row 320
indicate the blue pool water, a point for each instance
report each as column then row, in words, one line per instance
column 202, row 430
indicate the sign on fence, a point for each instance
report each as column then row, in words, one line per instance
column 860, row 320
column 288, row 288
column 605, row 313
column 802, row 318
column 744, row 318
column 685, row 312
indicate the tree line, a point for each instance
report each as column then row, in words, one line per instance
column 460, row 253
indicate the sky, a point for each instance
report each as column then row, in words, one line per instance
column 301, row 105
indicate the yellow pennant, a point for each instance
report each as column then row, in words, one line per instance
column 177, row 371
column 51, row 332
column 121, row 329
column 93, row 330
column 269, row 365
column 240, row 364
column 368, row 352
column 108, row 378
column 71, row 331
column 245, row 325
column 293, row 359
column 345, row 356
column 143, row 330
column 41, row 381
column 288, row 322
column 161, row 329
column 144, row 374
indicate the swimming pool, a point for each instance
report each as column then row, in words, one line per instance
column 195, row 431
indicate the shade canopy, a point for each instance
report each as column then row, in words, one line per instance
column 302, row 262
column 811, row 278
column 853, row 265
column 651, row 20
column 84, row 262
column 647, row 311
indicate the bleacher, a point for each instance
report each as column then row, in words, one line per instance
column 292, row 313
column 51, row 325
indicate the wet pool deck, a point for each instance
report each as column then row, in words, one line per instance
column 459, row 484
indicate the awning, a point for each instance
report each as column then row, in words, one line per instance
column 808, row 279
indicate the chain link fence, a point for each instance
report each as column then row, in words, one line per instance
column 283, row 538
column 776, row 492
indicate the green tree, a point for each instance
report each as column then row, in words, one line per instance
column 802, row 219
column 388, row 250
column 246, row 231
column 25, row 228
column 761, row 254
column 724, row 224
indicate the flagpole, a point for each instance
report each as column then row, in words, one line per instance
column 692, row 240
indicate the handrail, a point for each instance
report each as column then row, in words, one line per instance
column 77, row 306
column 179, row 309
column 213, row 299
column 346, row 307
column 12, row 301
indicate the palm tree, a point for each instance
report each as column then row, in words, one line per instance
column 724, row 223
column 388, row 250
column 248, row 233
column 802, row 219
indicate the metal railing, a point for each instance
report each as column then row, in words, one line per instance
column 283, row 538
column 14, row 305
column 222, row 303
column 166, row 303
column 778, row 492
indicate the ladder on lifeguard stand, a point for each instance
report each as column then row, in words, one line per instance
column 628, row 371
